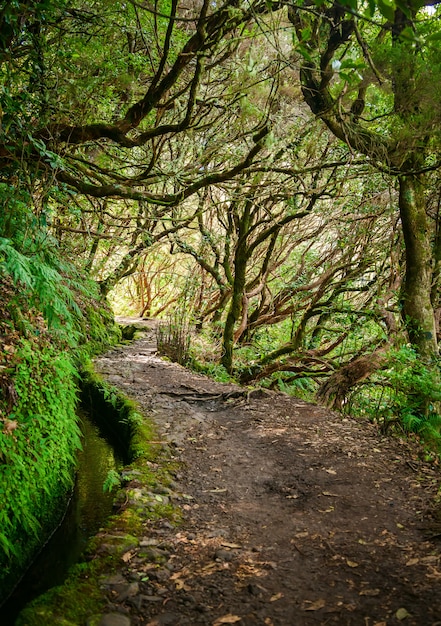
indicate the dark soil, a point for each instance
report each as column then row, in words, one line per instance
column 292, row 515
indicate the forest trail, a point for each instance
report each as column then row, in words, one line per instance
column 292, row 515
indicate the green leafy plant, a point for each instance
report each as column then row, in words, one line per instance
column 405, row 395
column 112, row 481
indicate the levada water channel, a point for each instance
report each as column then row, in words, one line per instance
column 86, row 512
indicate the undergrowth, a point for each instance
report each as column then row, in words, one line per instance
column 173, row 338
column 404, row 396
column 51, row 319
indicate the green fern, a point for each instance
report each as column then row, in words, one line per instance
column 15, row 264
column 45, row 288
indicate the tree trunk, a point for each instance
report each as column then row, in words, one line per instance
column 335, row 390
column 239, row 282
column 234, row 313
column 417, row 310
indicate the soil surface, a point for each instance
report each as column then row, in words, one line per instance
column 292, row 515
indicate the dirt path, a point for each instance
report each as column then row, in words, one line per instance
column 292, row 515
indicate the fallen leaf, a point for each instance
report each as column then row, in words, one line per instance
column 380, row 624
column 351, row 563
column 370, row 592
column 276, row 596
column 434, row 574
column 328, row 493
column 180, row 584
column 331, row 508
column 314, row 606
column 330, row 471
column 233, row 546
column 414, row 561
column 209, row 567
column 183, row 572
column 402, row 614
column 227, row 619
column 430, row 559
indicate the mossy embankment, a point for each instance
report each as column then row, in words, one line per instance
column 44, row 343
column 37, row 454
column 140, row 495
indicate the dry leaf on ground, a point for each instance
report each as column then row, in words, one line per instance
column 314, row 606
column 227, row 619
column 276, row 596
column 370, row 592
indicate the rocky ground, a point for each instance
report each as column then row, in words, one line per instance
column 292, row 515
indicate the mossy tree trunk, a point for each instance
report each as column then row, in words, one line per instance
column 238, row 287
column 417, row 309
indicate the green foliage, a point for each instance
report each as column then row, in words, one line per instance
column 405, row 396
column 69, row 303
column 45, row 288
column 214, row 370
column 38, row 440
column 298, row 387
column 51, row 317
column 67, row 299
column 112, row 481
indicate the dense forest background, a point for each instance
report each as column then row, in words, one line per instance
column 263, row 175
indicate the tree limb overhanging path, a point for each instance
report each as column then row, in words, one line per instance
column 291, row 514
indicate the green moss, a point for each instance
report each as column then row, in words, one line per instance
column 37, row 451
column 151, row 468
column 69, row 604
column 167, row 511
column 128, row 522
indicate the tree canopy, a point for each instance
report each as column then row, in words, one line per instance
column 268, row 169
